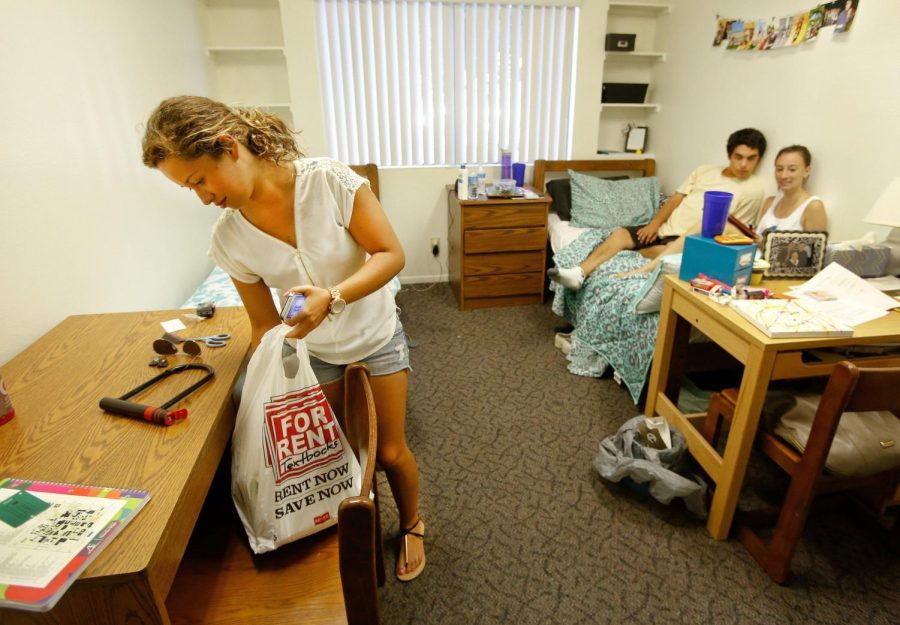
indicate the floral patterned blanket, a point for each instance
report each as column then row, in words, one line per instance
column 608, row 333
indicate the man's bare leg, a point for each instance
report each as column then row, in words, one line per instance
column 574, row 277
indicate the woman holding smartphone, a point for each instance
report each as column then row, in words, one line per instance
column 307, row 226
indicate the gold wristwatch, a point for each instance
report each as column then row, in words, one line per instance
column 337, row 302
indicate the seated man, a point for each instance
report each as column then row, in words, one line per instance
column 681, row 214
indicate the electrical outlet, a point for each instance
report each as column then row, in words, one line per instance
column 435, row 246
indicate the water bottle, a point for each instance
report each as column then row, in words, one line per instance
column 6, row 407
column 462, row 183
column 473, row 185
column 482, row 190
column 505, row 164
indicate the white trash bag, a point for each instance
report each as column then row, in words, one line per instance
column 657, row 472
column 291, row 463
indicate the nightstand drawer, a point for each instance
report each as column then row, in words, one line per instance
column 507, row 284
column 503, row 240
column 505, row 216
column 510, row 262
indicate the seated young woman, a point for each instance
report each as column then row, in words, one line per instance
column 791, row 208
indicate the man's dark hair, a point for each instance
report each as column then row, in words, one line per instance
column 750, row 137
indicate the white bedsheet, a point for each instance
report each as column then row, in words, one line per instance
column 561, row 232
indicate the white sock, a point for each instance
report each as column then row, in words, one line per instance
column 571, row 277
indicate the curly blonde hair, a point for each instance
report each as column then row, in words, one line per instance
column 190, row 126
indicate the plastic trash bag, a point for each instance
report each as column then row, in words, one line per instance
column 624, row 457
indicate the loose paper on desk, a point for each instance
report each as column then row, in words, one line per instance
column 885, row 283
column 855, row 302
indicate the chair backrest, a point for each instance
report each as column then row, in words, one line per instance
column 369, row 171
column 868, row 388
column 359, row 537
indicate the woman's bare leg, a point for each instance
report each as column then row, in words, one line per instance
column 394, row 455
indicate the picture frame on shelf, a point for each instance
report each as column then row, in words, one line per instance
column 636, row 139
column 794, row 253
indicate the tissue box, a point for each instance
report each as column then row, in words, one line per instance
column 730, row 264
column 869, row 262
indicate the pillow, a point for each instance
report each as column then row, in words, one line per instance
column 649, row 297
column 599, row 203
column 561, row 193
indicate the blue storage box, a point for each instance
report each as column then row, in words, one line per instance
column 730, row 264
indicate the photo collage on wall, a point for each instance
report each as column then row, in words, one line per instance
column 787, row 31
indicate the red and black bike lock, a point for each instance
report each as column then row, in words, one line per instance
column 161, row 415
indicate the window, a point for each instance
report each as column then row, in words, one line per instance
column 442, row 82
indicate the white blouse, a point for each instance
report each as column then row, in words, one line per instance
column 326, row 254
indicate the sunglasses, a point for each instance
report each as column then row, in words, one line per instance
column 165, row 347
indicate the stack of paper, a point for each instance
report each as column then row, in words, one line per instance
column 839, row 293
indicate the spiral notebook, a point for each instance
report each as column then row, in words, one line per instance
column 50, row 532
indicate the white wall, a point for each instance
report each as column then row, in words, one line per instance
column 839, row 95
column 84, row 226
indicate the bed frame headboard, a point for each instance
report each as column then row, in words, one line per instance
column 647, row 167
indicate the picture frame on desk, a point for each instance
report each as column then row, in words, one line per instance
column 793, row 253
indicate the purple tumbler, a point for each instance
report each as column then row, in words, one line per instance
column 715, row 212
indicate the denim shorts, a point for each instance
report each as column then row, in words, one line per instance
column 391, row 358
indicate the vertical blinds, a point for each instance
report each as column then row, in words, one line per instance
column 428, row 82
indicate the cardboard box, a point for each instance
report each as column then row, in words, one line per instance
column 731, row 264
column 620, row 42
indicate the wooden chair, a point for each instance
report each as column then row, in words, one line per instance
column 330, row 577
column 369, row 171
column 849, row 389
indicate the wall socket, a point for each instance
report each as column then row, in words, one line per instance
column 435, row 246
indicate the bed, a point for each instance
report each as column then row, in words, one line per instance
column 608, row 331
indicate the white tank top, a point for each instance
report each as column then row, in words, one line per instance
column 791, row 222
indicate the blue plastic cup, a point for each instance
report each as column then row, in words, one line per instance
column 715, row 212
column 518, row 171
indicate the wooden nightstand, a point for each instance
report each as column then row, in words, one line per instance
column 497, row 249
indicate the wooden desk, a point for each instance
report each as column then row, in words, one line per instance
column 60, row 434
column 764, row 359
column 496, row 250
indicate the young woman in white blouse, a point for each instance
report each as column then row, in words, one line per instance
column 308, row 226
column 793, row 207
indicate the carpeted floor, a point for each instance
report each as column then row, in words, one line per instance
column 521, row 529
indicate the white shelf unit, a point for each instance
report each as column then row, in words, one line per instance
column 639, row 56
column 640, row 8
column 245, row 47
column 637, row 66
column 646, row 105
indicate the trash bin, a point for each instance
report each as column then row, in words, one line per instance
column 660, row 473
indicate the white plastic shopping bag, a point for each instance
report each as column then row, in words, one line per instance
column 291, row 463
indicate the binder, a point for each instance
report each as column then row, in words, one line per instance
column 50, row 532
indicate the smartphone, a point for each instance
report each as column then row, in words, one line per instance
column 292, row 305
